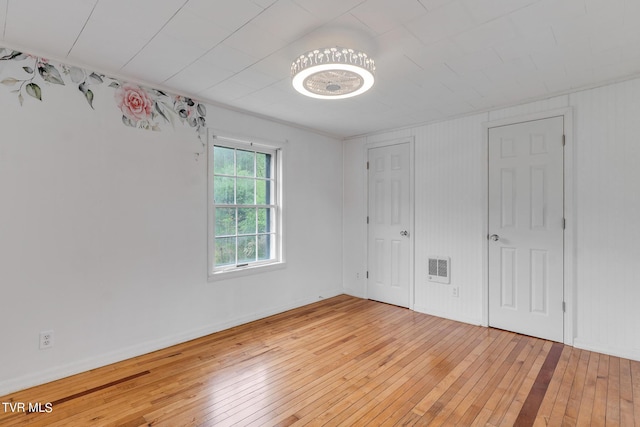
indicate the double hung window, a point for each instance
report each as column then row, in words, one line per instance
column 245, row 211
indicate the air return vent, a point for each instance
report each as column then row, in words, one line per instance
column 439, row 269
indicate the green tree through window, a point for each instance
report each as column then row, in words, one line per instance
column 244, row 205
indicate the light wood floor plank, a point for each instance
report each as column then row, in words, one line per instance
column 627, row 417
column 458, row 398
column 613, row 393
column 588, row 396
column 413, row 388
column 345, row 361
column 379, row 380
column 479, row 396
column 635, row 378
column 381, row 372
column 577, row 389
column 598, row 415
column 418, row 385
column 551, row 395
column 564, row 393
column 525, row 386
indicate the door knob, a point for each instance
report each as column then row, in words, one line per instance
column 494, row 237
column 404, row 233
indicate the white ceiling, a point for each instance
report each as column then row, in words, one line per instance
column 435, row 58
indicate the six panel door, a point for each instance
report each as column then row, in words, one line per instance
column 389, row 218
column 526, row 228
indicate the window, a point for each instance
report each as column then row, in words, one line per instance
column 245, row 218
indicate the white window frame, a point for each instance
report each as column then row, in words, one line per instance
column 276, row 151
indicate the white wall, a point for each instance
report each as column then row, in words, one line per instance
column 450, row 204
column 447, row 170
column 103, row 233
column 607, row 174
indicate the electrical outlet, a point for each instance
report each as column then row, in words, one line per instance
column 455, row 291
column 46, row 339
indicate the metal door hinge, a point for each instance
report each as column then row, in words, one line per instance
column 564, row 140
column 367, row 220
column 564, row 223
column 564, row 307
column 367, row 274
column 367, row 165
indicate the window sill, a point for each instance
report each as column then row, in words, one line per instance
column 245, row 271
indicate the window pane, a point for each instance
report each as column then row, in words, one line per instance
column 225, row 251
column 223, row 190
column 263, row 165
column 264, row 192
column 246, row 221
column 265, row 220
column 246, row 191
column 246, row 161
column 244, row 201
column 264, row 247
column 225, row 222
column 246, row 249
column 223, row 160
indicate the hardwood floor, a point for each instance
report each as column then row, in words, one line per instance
column 347, row 361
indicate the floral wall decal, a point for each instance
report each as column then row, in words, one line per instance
column 141, row 107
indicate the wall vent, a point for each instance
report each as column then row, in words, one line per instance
column 440, row 269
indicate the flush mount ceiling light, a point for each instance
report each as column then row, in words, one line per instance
column 333, row 73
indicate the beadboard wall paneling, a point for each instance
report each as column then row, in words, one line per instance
column 449, row 216
column 607, row 125
column 447, row 180
column 450, row 204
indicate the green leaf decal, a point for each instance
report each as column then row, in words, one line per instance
column 89, row 95
column 95, row 78
column 13, row 55
column 9, row 81
column 167, row 108
column 35, row 91
column 159, row 110
column 50, row 74
column 128, row 122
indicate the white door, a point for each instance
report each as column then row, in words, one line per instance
column 526, row 228
column 389, row 219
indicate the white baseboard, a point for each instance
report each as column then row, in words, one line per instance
column 625, row 353
column 76, row 367
column 353, row 293
column 444, row 315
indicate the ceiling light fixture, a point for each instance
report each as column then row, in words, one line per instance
column 333, row 73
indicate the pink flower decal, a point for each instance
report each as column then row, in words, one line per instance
column 141, row 107
column 134, row 102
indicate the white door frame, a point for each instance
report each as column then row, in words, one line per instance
column 366, row 148
column 569, row 213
